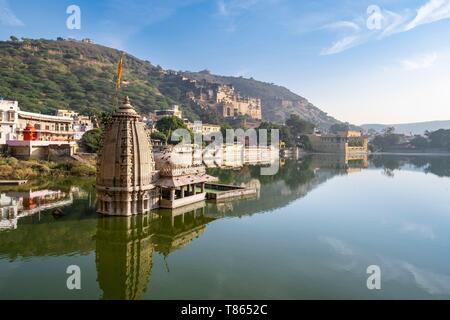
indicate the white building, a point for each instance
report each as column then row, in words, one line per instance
column 8, row 120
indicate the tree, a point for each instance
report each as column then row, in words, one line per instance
column 91, row 140
column 339, row 127
column 169, row 124
column 388, row 130
column 287, row 136
column 386, row 140
column 105, row 119
column 440, row 139
column 156, row 135
column 14, row 39
column 223, row 129
column 419, row 142
column 299, row 126
column 268, row 126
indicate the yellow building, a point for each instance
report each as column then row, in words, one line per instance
column 342, row 142
column 203, row 128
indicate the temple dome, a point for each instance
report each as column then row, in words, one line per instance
column 125, row 161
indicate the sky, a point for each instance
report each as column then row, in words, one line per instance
column 360, row 61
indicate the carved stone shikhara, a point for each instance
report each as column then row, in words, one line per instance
column 125, row 166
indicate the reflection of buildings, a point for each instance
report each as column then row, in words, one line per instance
column 350, row 162
column 125, row 247
column 15, row 205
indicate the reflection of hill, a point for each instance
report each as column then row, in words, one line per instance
column 438, row 165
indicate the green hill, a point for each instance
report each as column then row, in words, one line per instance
column 45, row 75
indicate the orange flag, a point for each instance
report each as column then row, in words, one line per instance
column 119, row 71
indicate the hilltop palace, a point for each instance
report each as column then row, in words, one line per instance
column 130, row 182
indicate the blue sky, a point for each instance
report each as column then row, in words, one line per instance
column 362, row 64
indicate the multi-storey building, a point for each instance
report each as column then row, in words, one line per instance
column 28, row 134
column 8, row 120
column 225, row 99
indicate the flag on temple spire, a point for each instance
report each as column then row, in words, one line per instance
column 119, row 71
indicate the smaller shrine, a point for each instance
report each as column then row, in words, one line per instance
column 180, row 181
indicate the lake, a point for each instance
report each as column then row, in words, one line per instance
column 311, row 232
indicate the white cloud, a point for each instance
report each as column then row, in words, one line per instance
column 419, row 229
column 338, row 245
column 7, row 17
column 342, row 24
column 391, row 23
column 234, row 7
column 342, row 45
column 422, row 62
column 431, row 282
column 432, row 11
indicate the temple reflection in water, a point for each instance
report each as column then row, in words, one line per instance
column 125, row 247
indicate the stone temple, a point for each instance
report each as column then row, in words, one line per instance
column 125, row 166
column 127, row 180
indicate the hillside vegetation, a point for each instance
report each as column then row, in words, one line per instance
column 44, row 75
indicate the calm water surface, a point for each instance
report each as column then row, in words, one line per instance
column 312, row 232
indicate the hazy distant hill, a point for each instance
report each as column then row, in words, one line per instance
column 44, row 75
column 414, row 128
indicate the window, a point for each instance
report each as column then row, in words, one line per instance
column 11, row 115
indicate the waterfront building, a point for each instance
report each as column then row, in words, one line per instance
column 342, row 142
column 48, row 128
column 203, row 128
column 41, row 136
column 181, row 181
column 81, row 123
column 66, row 125
column 125, row 166
column 175, row 111
column 33, row 135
